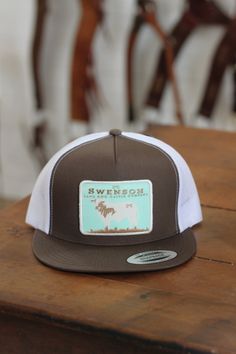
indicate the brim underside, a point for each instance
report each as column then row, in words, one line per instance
column 77, row 257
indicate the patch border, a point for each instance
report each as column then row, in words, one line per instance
column 118, row 233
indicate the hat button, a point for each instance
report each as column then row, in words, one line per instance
column 115, row 132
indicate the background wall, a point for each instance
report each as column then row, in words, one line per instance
column 20, row 159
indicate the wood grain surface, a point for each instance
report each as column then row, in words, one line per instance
column 187, row 309
column 211, row 156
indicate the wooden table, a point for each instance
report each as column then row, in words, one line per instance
column 189, row 309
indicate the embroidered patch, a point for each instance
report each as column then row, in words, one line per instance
column 116, row 207
column 150, row 257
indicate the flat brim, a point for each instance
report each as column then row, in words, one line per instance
column 77, row 257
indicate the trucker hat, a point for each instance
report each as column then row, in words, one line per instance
column 114, row 202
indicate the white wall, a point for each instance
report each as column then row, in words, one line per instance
column 18, row 163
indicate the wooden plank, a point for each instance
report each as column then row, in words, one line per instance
column 19, row 335
column 211, row 156
column 191, row 307
column 216, row 235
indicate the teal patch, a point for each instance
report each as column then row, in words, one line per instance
column 115, row 208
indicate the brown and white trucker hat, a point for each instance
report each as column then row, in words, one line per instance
column 114, row 202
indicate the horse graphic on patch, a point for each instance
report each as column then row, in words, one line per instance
column 116, row 212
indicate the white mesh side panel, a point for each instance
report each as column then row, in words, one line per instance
column 38, row 212
column 189, row 209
